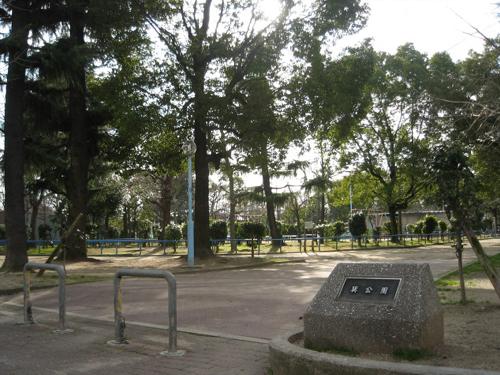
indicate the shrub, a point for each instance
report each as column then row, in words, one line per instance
column 173, row 233
column 443, row 227
column 386, row 227
column 377, row 231
column 251, row 230
column 430, row 224
column 410, row 228
column 419, row 227
column 338, row 228
column 44, row 231
column 289, row 229
column 2, row 231
column 357, row 226
column 218, row 230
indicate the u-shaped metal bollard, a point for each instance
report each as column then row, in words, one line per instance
column 172, row 307
column 28, row 312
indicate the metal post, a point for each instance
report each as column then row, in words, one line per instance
column 28, row 312
column 190, row 215
column 172, row 307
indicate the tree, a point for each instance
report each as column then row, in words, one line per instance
column 464, row 97
column 388, row 144
column 457, row 189
column 210, row 60
column 357, row 226
column 13, row 163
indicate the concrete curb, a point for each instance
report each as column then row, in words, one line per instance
column 289, row 359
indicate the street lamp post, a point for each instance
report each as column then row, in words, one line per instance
column 189, row 149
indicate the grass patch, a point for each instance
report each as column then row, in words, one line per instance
column 411, row 354
column 451, row 279
column 476, row 267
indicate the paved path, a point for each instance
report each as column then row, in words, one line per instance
column 250, row 303
column 35, row 350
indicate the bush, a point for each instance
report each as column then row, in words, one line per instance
column 338, row 228
column 251, row 230
column 289, row 229
column 377, row 232
column 410, row 228
column 419, row 227
column 173, row 233
column 218, row 230
column 2, row 231
column 357, row 226
column 44, row 231
column 430, row 224
column 386, row 227
column 443, row 227
column 486, row 224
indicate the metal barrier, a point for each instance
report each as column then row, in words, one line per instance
column 28, row 312
column 172, row 307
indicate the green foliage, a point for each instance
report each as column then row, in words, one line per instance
column 443, row 227
column 289, row 229
column 419, row 227
column 44, row 231
column 173, row 233
column 387, row 228
column 251, row 230
column 430, row 224
column 218, row 230
column 357, row 225
column 338, row 228
column 2, row 231
column 410, row 228
column 377, row 232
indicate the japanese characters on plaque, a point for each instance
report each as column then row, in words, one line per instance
column 376, row 290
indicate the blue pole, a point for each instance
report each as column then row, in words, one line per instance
column 190, row 227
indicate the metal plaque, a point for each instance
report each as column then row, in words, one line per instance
column 371, row 290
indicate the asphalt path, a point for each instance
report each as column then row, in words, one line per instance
column 258, row 303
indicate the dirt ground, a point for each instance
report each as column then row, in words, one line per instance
column 472, row 331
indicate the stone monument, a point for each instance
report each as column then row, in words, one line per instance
column 375, row 308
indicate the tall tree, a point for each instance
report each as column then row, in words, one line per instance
column 15, row 46
column 213, row 48
column 388, row 144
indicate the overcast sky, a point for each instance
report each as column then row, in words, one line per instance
column 431, row 25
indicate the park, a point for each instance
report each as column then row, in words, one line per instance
column 265, row 187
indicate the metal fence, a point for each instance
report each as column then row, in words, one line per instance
column 288, row 244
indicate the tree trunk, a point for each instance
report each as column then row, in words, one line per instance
column 201, row 201
column 394, row 224
column 271, row 219
column 126, row 222
column 459, row 252
column 232, row 207
column 483, row 259
column 35, row 202
column 15, row 227
column 165, row 203
column 79, row 145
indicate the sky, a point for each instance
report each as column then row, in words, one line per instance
column 431, row 25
